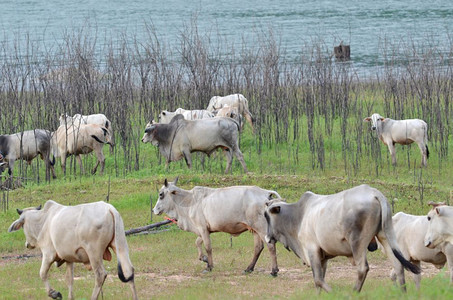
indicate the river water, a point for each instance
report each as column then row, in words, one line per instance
column 367, row 26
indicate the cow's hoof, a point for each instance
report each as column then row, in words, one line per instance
column 55, row 295
column 274, row 272
column 247, row 271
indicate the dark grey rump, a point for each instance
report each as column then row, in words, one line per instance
column 4, row 145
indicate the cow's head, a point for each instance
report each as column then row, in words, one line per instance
column 440, row 222
column 29, row 221
column 148, row 137
column 168, row 193
column 276, row 223
column 374, row 119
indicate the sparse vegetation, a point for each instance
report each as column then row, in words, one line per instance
column 309, row 135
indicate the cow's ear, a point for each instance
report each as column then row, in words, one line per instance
column 275, row 210
column 166, row 182
column 164, row 113
column 367, row 119
column 176, row 180
column 439, row 211
column 383, row 119
column 16, row 225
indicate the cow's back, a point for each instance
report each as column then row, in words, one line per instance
column 328, row 218
column 211, row 133
column 74, row 230
column 241, row 205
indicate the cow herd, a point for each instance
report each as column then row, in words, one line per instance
column 316, row 228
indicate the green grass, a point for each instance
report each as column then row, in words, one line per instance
column 166, row 263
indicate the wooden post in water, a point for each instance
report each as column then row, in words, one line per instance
column 342, row 52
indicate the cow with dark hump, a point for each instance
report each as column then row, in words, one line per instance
column 77, row 234
column 26, row 145
column 181, row 137
column 233, row 210
column 320, row 227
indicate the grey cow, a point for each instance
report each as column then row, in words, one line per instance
column 233, row 210
column 181, row 137
column 320, row 227
column 403, row 132
column 26, row 145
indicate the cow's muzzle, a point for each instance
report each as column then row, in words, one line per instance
column 373, row 127
column 270, row 239
column 429, row 244
column 29, row 246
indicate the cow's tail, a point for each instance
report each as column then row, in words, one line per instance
column 106, row 132
column 425, row 137
column 390, row 237
column 125, row 268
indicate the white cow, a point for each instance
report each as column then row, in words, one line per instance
column 80, row 139
column 77, row 234
column 166, row 116
column 98, row 119
column 234, row 100
column 403, row 132
column 204, row 210
column 320, row 227
column 410, row 231
column 440, row 230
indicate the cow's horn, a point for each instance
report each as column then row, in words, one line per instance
column 19, row 211
column 39, row 207
column 150, row 128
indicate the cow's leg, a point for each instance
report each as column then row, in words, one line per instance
column 259, row 246
column 448, row 251
column 424, row 153
column 47, row 261
column 359, row 248
column 273, row 253
column 240, row 157
column 100, row 160
column 397, row 266
column 208, row 247
column 201, row 256
column 99, row 277
column 417, row 277
column 63, row 163
column 392, row 151
column 314, row 256
column 187, row 158
column 69, row 276
column 79, row 160
column 229, row 157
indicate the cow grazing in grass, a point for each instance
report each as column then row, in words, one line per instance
column 235, row 101
column 320, row 227
column 26, row 145
column 181, row 137
column 165, row 116
column 410, row 232
column 403, row 132
column 77, row 234
column 80, row 139
column 204, row 210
